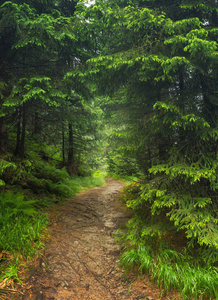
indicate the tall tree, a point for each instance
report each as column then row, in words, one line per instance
column 42, row 43
column 164, row 60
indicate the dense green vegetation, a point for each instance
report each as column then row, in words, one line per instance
column 159, row 67
column 48, row 121
column 127, row 86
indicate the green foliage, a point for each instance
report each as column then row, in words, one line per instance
column 40, row 95
column 192, row 208
column 33, row 89
column 153, row 244
column 4, row 164
column 47, row 171
column 23, row 234
column 48, row 179
column 35, row 176
column 140, row 256
column 13, row 204
column 11, row 273
column 121, row 165
column 172, row 270
column 160, row 66
column 88, row 182
column 43, row 42
column 147, row 56
column 126, row 178
column 21, row 226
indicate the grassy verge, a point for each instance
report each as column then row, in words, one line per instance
column 22, row 230
column 173, row 271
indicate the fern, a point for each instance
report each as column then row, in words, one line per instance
column 13, row 204
column 3, row 166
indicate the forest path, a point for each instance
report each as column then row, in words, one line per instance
column 81, row 257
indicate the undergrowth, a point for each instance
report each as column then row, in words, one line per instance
column 153, row 245
column 22, row 229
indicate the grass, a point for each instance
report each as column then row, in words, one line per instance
column 11, row 273
column 23, row 234
column 21, row 226
column 126, row 178
column 172, row 271
column 21, row 231
column 88, row 182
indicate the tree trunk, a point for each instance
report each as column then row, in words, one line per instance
column 210, row 109
column 16, row 151
column 70, row 161
column 21, row 132
column 181, row 89
column 70, row 150
column 37, row 125
column 63, row 144
column 3, row 135
column 163, row 147
column 181, row 81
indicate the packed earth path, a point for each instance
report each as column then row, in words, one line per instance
column 81, row 257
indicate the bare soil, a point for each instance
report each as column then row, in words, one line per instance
column 81, row 257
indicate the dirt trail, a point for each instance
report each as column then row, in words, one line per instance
column 81, row 257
